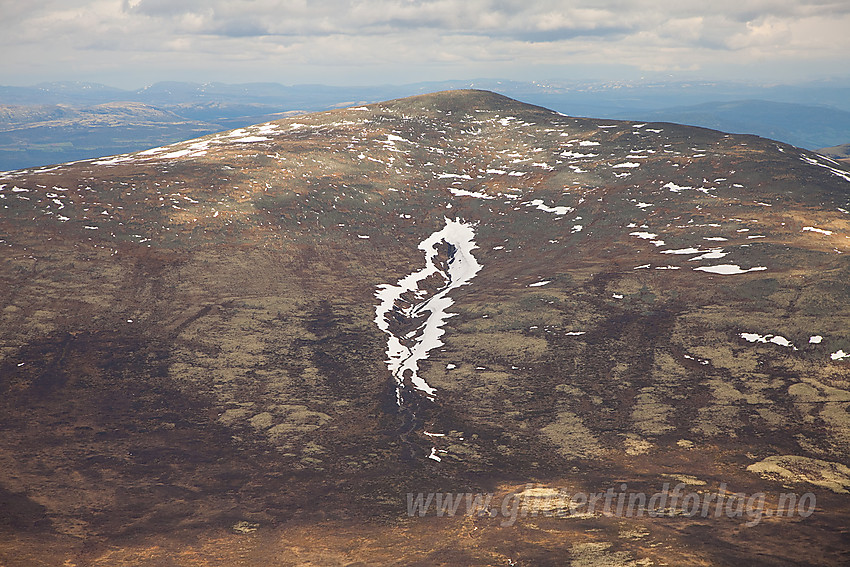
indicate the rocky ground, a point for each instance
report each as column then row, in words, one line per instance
column 193, row 361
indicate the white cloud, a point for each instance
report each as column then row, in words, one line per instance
column 382, row 37
column 766, row 32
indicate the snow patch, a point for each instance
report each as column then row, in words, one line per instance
column 839, row 355
column 250, row 139
column 538, row 204
column 715, row 254
column 405, row 352
column 683, row 251
column 644, row 235
column 728, row 269
column 571, row 154
column 834, row 170
column 819, row 230
column 464, row 193
column 177, row 154
column 675, row 188
column 775, row 339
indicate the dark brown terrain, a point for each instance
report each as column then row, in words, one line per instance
column 192, row 373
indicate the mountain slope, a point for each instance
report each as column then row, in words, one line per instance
column 256, row 344
column 840, row 152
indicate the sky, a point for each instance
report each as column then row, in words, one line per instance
column 134, row 43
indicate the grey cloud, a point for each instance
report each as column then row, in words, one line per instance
column 546, row 36
column 480, row 17
column 166, row 8
column 506, row 19
column 241, row 28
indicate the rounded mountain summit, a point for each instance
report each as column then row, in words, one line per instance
column 318, row 340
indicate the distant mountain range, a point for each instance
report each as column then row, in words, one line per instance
column 810, row 127
column 67, row 121
column 51, row 133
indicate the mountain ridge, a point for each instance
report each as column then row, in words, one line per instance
column 233, row 105
column 840, row 152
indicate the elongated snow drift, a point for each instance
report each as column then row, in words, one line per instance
column 404, row 352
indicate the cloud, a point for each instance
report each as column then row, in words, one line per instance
column 391, row 35
column 164, row 8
